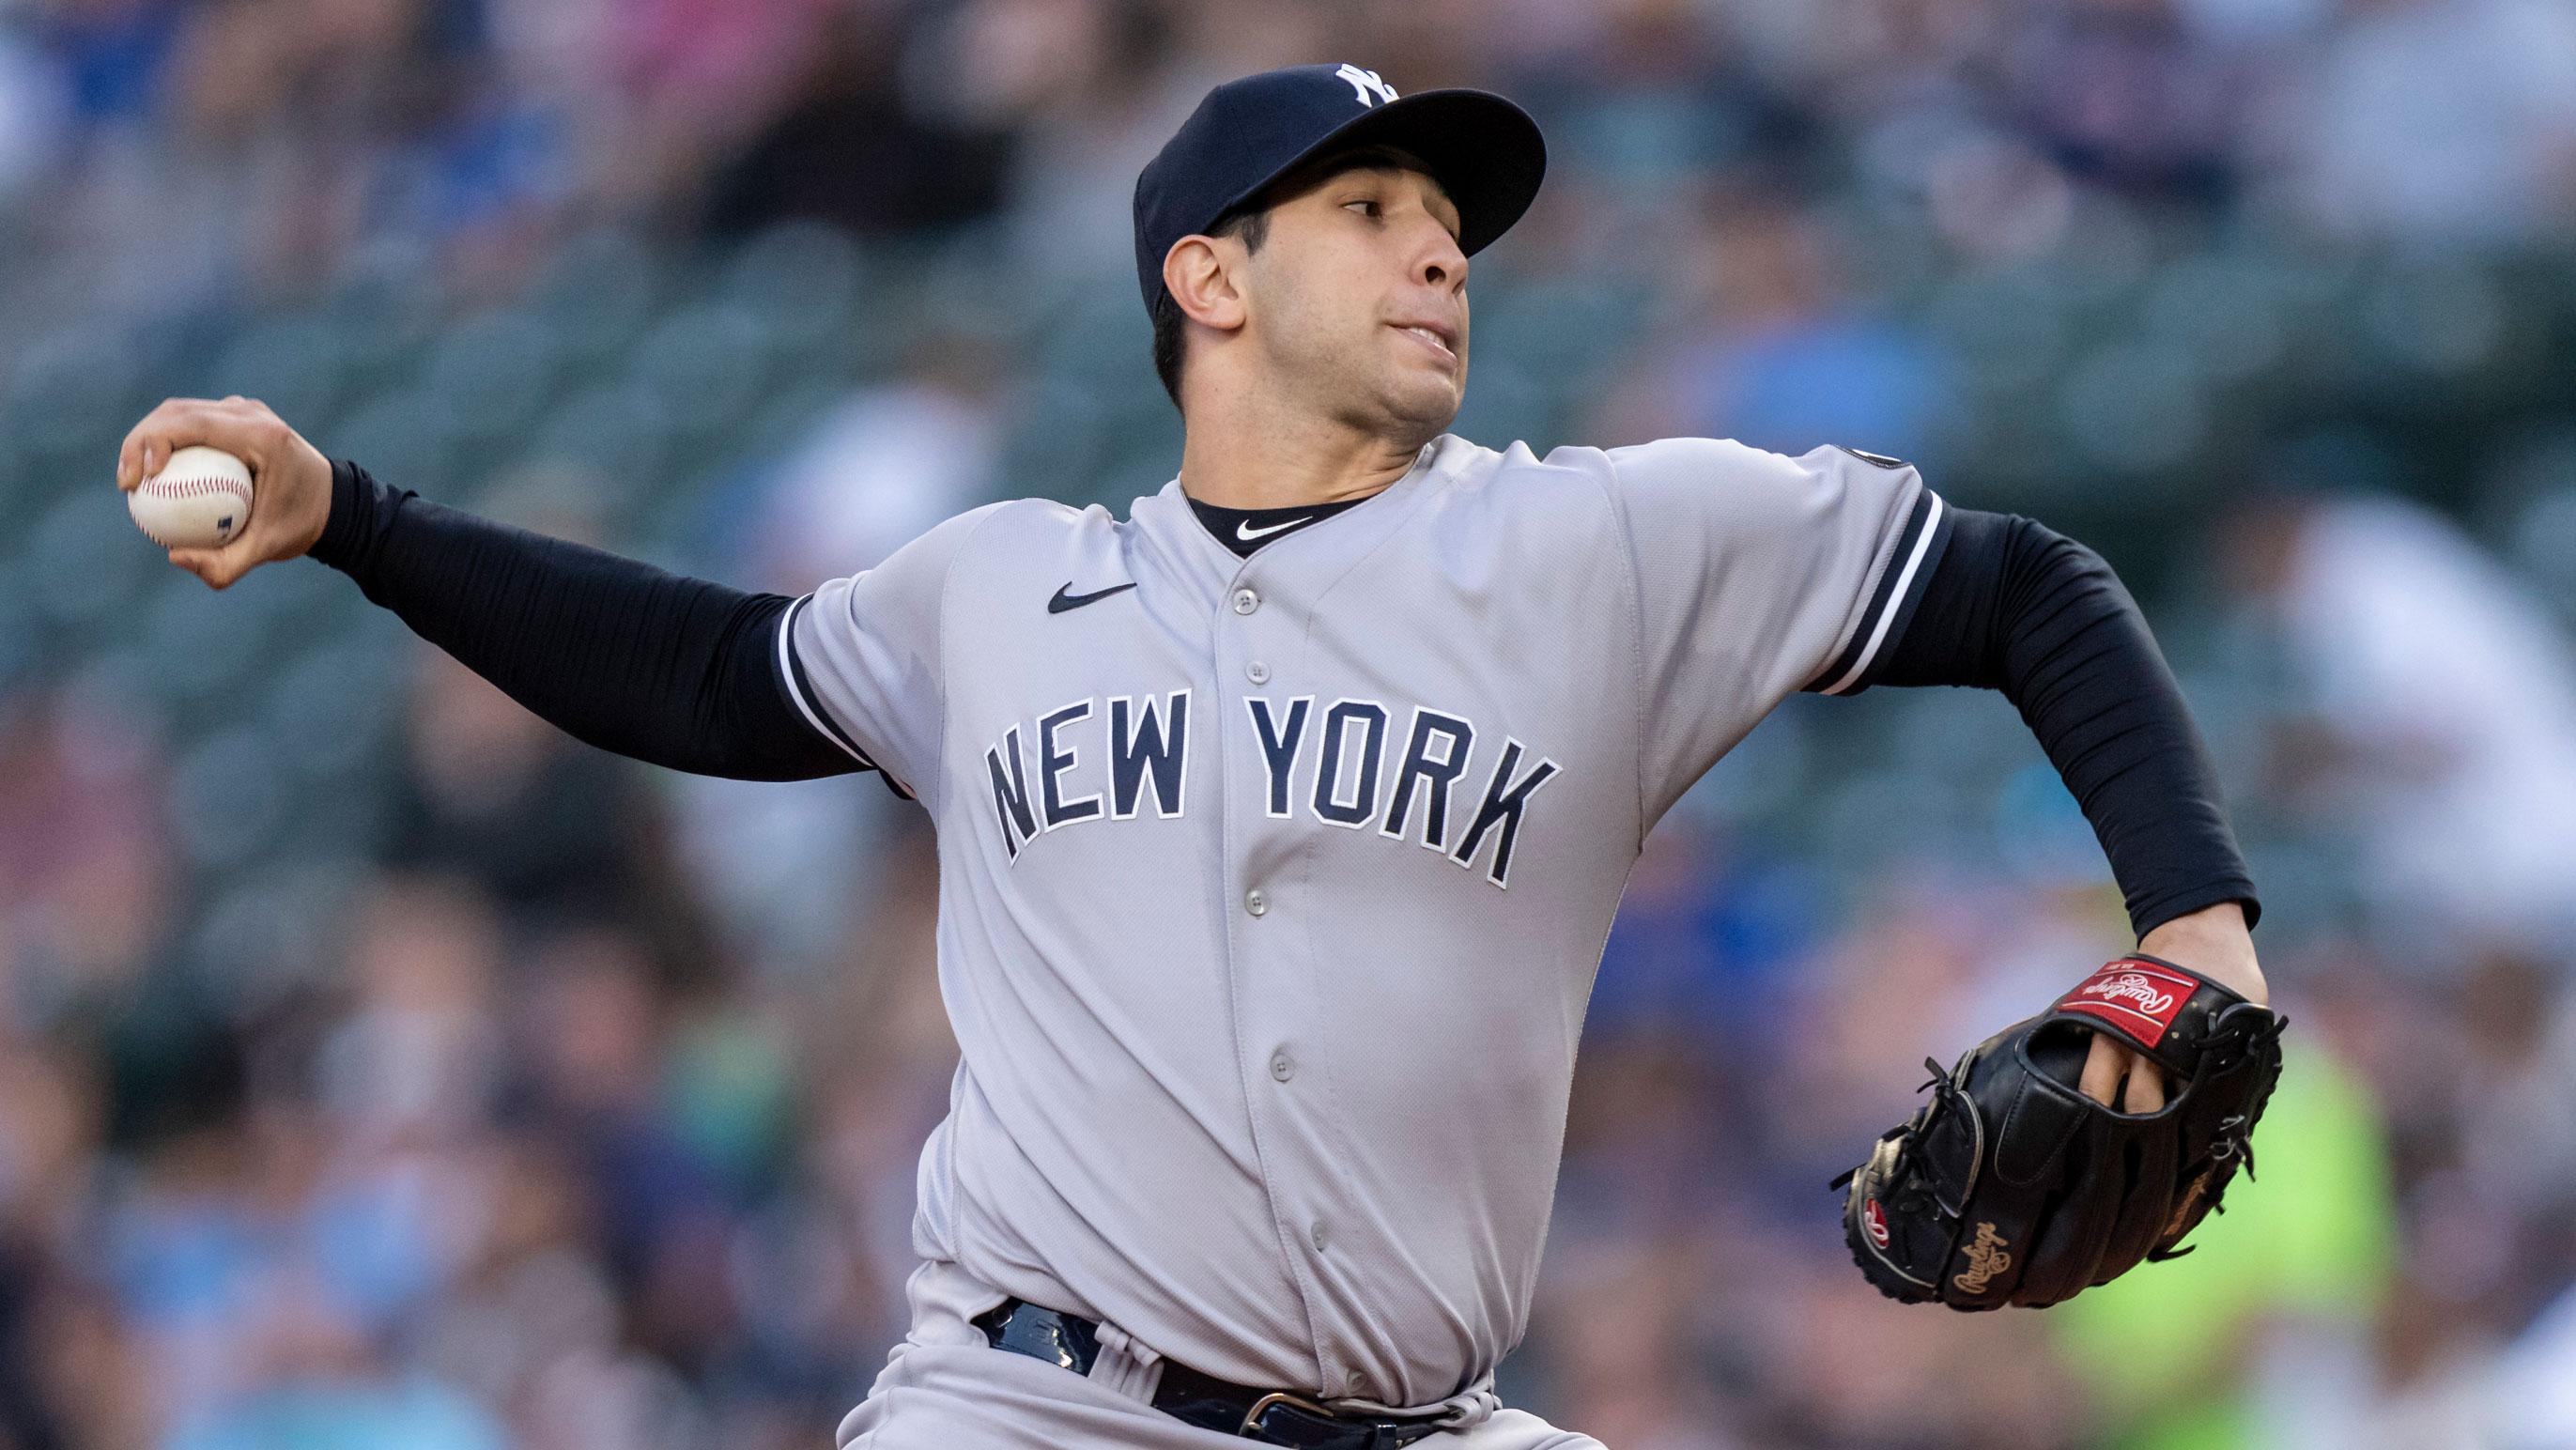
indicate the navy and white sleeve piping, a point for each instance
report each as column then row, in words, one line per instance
column 799, row 688
column 1910, row 566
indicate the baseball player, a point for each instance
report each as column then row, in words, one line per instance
column 1282, row 820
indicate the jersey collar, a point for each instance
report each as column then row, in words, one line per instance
column 1167, row 518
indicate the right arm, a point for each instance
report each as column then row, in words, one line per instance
column 670, row 670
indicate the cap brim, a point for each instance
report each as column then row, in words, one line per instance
column 1483, row 150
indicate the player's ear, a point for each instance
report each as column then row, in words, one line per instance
column 1200, row 274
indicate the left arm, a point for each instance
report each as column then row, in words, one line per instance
column 2015, row 607
column 1758, row 574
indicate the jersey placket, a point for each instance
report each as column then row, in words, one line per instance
column 1257, row 645
column 1260, row 653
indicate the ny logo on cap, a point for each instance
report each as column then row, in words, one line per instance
column 1365, row 83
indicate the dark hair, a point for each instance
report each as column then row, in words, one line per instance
column 1251, row 222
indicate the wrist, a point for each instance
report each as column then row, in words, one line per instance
column 2214, row 942
column 336, row 534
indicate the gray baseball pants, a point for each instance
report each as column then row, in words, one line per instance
column 944, row 1388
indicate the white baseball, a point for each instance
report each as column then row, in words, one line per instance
column 199, row 499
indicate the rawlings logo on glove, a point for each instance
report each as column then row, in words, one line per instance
column 2141, row 995
column 2012, row 1187
column 1986, row 1258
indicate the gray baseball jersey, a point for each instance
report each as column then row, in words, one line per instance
column 1272, row 888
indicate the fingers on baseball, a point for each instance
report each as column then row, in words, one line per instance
column 242, row 427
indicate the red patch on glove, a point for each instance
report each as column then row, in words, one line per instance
column 2143, row 998
column 1875, row 1222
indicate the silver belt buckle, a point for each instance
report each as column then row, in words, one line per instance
column 1252, row 1417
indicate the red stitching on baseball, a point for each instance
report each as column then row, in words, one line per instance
column 194, row 487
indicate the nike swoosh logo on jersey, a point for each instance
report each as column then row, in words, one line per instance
column 1065, row 599
column 1247, row 533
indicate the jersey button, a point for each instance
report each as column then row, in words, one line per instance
column 1257, row 672
column 1255, row 902
column 1281, row 1067
column 1245, row 601
column 1319, row 1236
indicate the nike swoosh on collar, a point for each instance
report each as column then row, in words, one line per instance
column 1247, row 533
column 1065, row 599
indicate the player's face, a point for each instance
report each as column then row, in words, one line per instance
column 1358, row 300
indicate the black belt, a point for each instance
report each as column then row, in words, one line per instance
column 1273, row 1417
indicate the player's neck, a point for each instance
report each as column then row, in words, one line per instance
column 1243, row 460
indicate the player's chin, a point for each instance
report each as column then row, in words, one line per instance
column 1419, row 409
column 1421, row 394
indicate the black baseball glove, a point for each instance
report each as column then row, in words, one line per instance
column 2010, row 1186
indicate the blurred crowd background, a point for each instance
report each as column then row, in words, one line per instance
column 379, row 1068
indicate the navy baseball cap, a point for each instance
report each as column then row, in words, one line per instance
column 1483, row 150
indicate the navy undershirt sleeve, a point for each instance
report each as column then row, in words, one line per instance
column 2018, row 608
column 676, row 671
